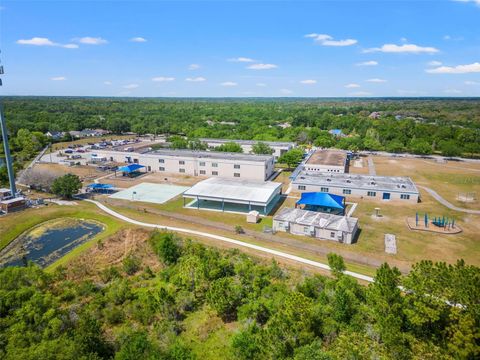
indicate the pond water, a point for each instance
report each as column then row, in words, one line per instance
column 49, row 241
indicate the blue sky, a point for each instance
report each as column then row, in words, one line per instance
column 249, row 48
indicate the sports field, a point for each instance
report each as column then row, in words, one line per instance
column 148, row 192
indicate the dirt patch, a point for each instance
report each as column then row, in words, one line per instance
column 112, row 251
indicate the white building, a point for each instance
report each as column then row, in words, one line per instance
column 330, row 161
column 319, row 225
column 234, row 195
column 195, row 163
column 368, row 186
column 278, row 147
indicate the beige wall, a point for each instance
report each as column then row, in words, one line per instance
column 357, row 192
column 315, row 168
column 322, row 234
column 253, row 170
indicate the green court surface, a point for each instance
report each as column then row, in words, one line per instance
column 148, row 192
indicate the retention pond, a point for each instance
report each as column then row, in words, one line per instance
column 48, row 242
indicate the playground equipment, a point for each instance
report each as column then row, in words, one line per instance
column 441, row 224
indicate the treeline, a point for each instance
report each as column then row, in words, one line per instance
column 447, row 126
column 133, row 312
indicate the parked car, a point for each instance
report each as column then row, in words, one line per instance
column 68, row 151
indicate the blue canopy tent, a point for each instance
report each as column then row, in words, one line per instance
column 323, row 202
column 102, row 188
column 131, row 170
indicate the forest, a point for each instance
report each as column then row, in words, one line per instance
column 251, row 309
column 423, row 126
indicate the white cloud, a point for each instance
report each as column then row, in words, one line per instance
column 262, row 66
column 193, row 67
column 138, row 39
column 58, row 78
column 368, row 63
column 327, row 40
column 405, row 48
column 131, row 86
column 163, row 78
column 469, row 82
column 308, row 82
column 261, row 84
column 459, row 69
column 91, row 40
column 434, row 63
column 360, row 93
column 107, row 83
column 196, row 79
column 241, row 59
column 376, row 80
column 228, row 84
column 452, row 91
column 286, row 91
column 352, row 86
column 39, row 41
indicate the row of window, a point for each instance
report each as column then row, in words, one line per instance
column 201, row 163
column 202, row 172
column 349, row 192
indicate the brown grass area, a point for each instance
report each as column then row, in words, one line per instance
column 84, row 172
column 112, row 251
column 447, row 179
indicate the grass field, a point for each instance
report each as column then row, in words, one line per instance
column 447, row 179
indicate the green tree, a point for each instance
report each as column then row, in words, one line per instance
column 292, row 157
column 225, row 295
column 261, row 148
column 166, row 246
column 66, row 186
column 336, row 263
column 232, row 147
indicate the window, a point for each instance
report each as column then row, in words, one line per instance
column 404, row 196
column 324, row 189
column 161, row 161
column 371, row 193
column 236, row 166
column 202, row 163
column 236, row 174
column 161, row 168
column 214, row 165
column 332, row 234
column 215, row 173
column 203, row 172
column 181, row 170
column 301, row 187
column 306, row 229
column 181, row 162
column 347, row 191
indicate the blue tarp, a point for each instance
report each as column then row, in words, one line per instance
column 100, row 186
column 322, row 199
column 130, row 168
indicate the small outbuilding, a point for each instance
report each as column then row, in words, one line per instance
column 234, row 195
column 11, row 205
column 253, row 217
column 322, row 202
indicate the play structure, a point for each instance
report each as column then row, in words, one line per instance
column 437, row 224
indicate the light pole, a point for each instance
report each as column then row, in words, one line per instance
column 6, row 147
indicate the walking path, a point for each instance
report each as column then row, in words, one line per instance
column 444, row 202
column 371, row 167
column 228, row 240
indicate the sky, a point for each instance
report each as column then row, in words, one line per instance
column 241, row 48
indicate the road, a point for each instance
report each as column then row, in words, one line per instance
column 444, row 202
column 227, row 240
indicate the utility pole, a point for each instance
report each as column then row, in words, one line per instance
column 6, row 147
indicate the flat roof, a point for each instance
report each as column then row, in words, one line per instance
column 235, row 190
column 211, row 155
column 327, row 157
column 317, row 219
column 248, row 142
column 356, row 181
column 12, row 201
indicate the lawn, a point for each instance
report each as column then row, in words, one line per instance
column 447, row 179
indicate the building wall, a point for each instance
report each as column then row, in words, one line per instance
column 367, row 193
column 207, row 167
column 319, row 233
column 316, row 168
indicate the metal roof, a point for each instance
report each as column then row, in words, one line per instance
column 356, row 181
column 327, row 157
column 211, row 154
column 248, row 142
column 322, row 199
column 235, row 190
column 317, row 219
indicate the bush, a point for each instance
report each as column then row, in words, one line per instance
column 166, row 246
column 131, row 264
